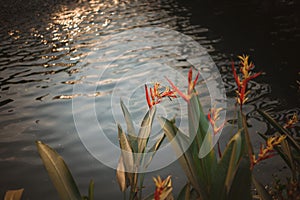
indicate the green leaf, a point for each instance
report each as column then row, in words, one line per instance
column 128, row 119
column 179, row 141
column 243, row 127
column 235, row 158
column 122, row 176
column 152, row 151
column 126, row 153
column 226, row 168
column 130, row 128
column 185, row 192
column 282, row 130
column 198, row 124
column 202, row 144
column 262, row 192
column 13, row 194
column 287, row 153
column 59, row 173
column 145, row 130
column 241, row 185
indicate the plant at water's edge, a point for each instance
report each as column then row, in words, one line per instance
column 13, row 194
column 135, row 156
column 60, row 174
column 209, row 178
column 289, row 150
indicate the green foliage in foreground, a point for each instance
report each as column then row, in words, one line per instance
column 60, row 174
column 135, row 157
column 211, row 175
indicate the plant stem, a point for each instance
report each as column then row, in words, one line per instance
column 141, row 185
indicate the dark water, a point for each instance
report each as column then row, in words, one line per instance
column 43, row 47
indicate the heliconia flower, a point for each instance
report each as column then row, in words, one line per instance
column 163, row 188
column 191, row 86
column 212, row 116
column 156, row 96
column 291, row 122
column 245, row 68
column 268, row 151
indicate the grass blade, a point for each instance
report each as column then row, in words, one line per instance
column 59, row 172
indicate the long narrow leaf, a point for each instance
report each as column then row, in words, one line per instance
column 128, row 119
column 282, row 130
column 198, row 128
column 234, row 160
column 121, row 175
column 286, row 150
column 243, row 127
column 185, row 192
column 152, row 151
column 186, row 159
column 226, row 168
column 197, row 119
column 59, row 172
column 130, row 128
column 241, row 185
column 13, row 194
column 126, row 153
column 145, row 130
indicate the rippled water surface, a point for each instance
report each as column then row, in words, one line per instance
column 48, row 48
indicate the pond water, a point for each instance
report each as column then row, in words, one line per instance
column 59, row 60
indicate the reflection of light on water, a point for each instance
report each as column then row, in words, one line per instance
column 69, row 23
column 120, row 65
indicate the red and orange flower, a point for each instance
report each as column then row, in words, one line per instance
column 268, row 151
column 156, row 96
column 245, row 69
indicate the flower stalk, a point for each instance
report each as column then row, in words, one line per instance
column 268, row 151
column 191, row 86
column 242, row 82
